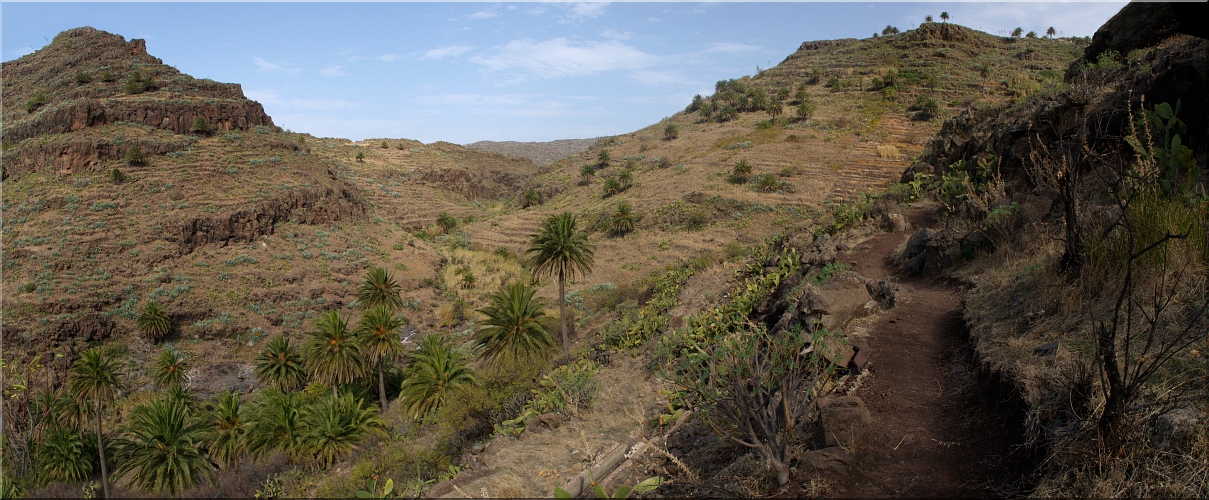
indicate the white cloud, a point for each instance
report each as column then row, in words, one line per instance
column 613, row 34
column 387, row 58
column 587, row 10
column 332, row 71
column 1070, row 19
column 272, row 98
column 264, row 66
column 447, row 51
column 560, row 57
column 485, row 14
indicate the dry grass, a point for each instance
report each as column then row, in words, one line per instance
column 887, row 152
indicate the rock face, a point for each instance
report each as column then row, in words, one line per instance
column 310, row 206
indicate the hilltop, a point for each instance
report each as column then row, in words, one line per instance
column 541, row 153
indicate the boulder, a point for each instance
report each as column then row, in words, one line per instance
column 832, row 459
column 918, row 243
column 206, row 379
column 843, row 420
column 543, row 422
column 895, row 223
column 1175, row 429
column 820, row 252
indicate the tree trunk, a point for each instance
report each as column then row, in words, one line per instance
column 1072, row 258
column 382, row 388
column 101, row 450
column 562, row 310
column 1114, row 404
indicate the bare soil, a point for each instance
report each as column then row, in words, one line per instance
column 937, row 431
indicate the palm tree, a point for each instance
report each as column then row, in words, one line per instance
column 1017, row 32
column 94, row 377
column 625, row 177
column 154, row 322
column 435, row 370
column 513, row 328
column 333, row 426
column 169, row 369
column 227, row 437
column 561, row 249
column 944, row 16
column 279, row 365
column 612, row 186
column 602, row 159
column 333, row 354
column 586, row 171
column 531, row 198
column 379, row 333
column 774, row 109
column 623, row 218
column 162, row 450
column 741, row 171
column 379, row 289
column 928, row 18
column 274, row 420
column 1051, row 32
column 801, row 94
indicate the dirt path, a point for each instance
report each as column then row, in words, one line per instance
column 935, row 432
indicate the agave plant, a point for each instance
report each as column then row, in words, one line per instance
column 513, row 328
column 623, row 219
column 169, row 369
column 279, row 365
column 226, row 435
column 379, row 289
column 333, row 353
column 65, row 455
column 162, row 450
column 435, row 370
column 154, row 322
column 334, row 426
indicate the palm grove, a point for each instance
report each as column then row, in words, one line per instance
column 312, row 401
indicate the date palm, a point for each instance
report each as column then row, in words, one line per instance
column 612, row 186
column 226, row 435
column 332, row 427
column 169, row 369
column 622, row 220
column 279, row 365
column 333, row 354
column 561, row 249
column 162, row 450
column 274, row 420
column 154, row 322
column 379, row 331
column 446, row 222
column 774, row 108
column 1051, row 32
column 435, row 370
column 531, row 198
column 944, row 16
column 379, row 288
column 513, row 329
column 586, row 172
column 94, row 379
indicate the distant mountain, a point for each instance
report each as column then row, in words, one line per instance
column 542, row 153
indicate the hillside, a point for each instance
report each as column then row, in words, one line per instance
column 541, row 153
column 242, row 231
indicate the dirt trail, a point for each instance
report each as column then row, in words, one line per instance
column 936, row 432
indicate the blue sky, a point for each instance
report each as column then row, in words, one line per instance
column 463, row 72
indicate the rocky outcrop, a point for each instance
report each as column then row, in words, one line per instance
column 478, row 185
column 76, row 154
column 308, row 206
column 177, row 116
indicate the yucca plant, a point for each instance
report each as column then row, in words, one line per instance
column 623, row 219
column 561, row 249
column 379, row 331
column 740, row 172
column 65, row 455
column 93, row 379
column 435, row 370
column 333, row 354
column 446, row 222
column 612, row 186
column 333, row 426
column 531, row 198
column 226, row 433
column 379, row 289
column 767, row 183
column 169, row 369
column 154, row 322
column 513, row 329
column 280, row 365
column 162, row 449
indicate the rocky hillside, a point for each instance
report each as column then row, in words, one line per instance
column 541, row 153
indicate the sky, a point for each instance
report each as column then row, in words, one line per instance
column 464, row 72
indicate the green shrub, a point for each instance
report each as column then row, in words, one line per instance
column 35, row 102
column 201, row 126
column 767, row 183
column 612, row 186
column 671, row 131
column 134, row 157
column 740, row 172
column 107, row 76
column 83, row 77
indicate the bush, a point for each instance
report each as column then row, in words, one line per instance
column 107, row 76
column 671, row 131
column 117, row 176
column 201, row 126
column 134, row 157
column 83, row 77
column 35, row 102
column 767, row 183
column 740, row 172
